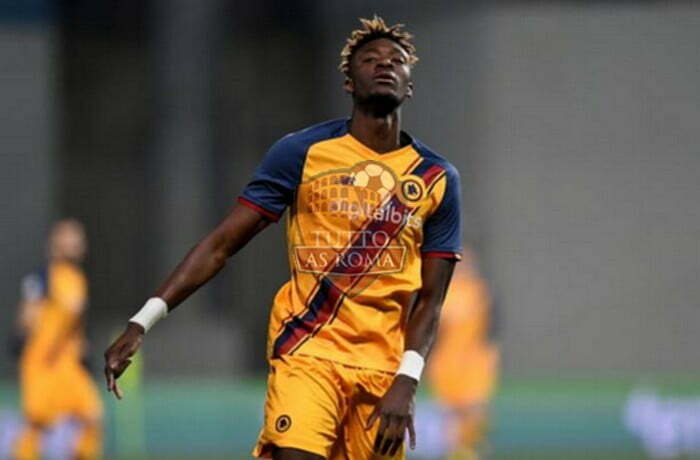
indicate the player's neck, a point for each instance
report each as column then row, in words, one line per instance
column 60, row 259
column 380, row 133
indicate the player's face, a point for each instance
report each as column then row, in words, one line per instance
column 68, row 241
column 379, row 70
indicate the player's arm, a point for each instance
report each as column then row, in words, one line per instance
column 26, row 313
column 271, row 190
column 209, row 256
column 395, row 410
column 203, row 261
column 32, row 292
column 441, row 247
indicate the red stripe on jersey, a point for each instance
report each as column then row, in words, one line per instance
column 443, row 255
column 327, row 299
column 303, row 326
column 431, row 174
column 269, row 214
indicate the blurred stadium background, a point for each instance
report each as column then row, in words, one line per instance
column 575, row 128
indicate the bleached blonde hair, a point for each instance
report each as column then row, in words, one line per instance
column 371, row 30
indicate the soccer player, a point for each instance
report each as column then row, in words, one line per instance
column 53, row 381
column 373, row 235
column 464, row 363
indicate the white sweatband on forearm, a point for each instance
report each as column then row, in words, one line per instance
column 411, row 364
column 153, row 310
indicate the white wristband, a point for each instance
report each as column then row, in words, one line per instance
column 153, row 310
column 411, row 364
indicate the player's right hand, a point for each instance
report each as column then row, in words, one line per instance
column 117, row 356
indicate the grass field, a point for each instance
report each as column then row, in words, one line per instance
column 562, row 419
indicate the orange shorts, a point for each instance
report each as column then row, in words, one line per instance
column 48, row 394
column 321, row 406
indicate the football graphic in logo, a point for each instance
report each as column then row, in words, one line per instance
column 374, row 177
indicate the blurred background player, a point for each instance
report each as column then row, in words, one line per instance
column 54, row 384
column 463, row 367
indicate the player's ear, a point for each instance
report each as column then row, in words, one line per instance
column 409, row 90
column 349, row 85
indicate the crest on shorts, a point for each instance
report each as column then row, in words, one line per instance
column 283, row 423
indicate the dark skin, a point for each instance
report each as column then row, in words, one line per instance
column 395, row 409
column 379, row 81
column 203, row 261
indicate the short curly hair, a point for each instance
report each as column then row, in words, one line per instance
column 371, row 30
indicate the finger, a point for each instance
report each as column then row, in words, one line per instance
column 113, row 370
column 378, row 443
column 380, row 433
column 388, row 442
column 117, row 391
column 118, row 366
column 108, row 378
column 383, row 425
column 411, row 434
column 399, row 433
column 397, row 445
column 389, row 435
column 111, row 382
column 372, row 418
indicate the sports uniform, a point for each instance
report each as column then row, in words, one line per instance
column 358, row 227
column 52, row 379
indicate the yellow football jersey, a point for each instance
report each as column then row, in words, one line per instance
column 52, row 379
column 62, row 290
column 359, row 225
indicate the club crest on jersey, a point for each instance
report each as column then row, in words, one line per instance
column 412, row 190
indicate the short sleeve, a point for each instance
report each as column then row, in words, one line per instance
column 275, row 180
column 442, row 232
column 33, row 287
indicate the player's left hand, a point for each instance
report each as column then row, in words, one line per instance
column 395, row 413
column 118, row 355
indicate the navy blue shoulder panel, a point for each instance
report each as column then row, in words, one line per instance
column 320, row 132
column 433, row 158
column 35, row 286
column 442, row 231
column 276, row 179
